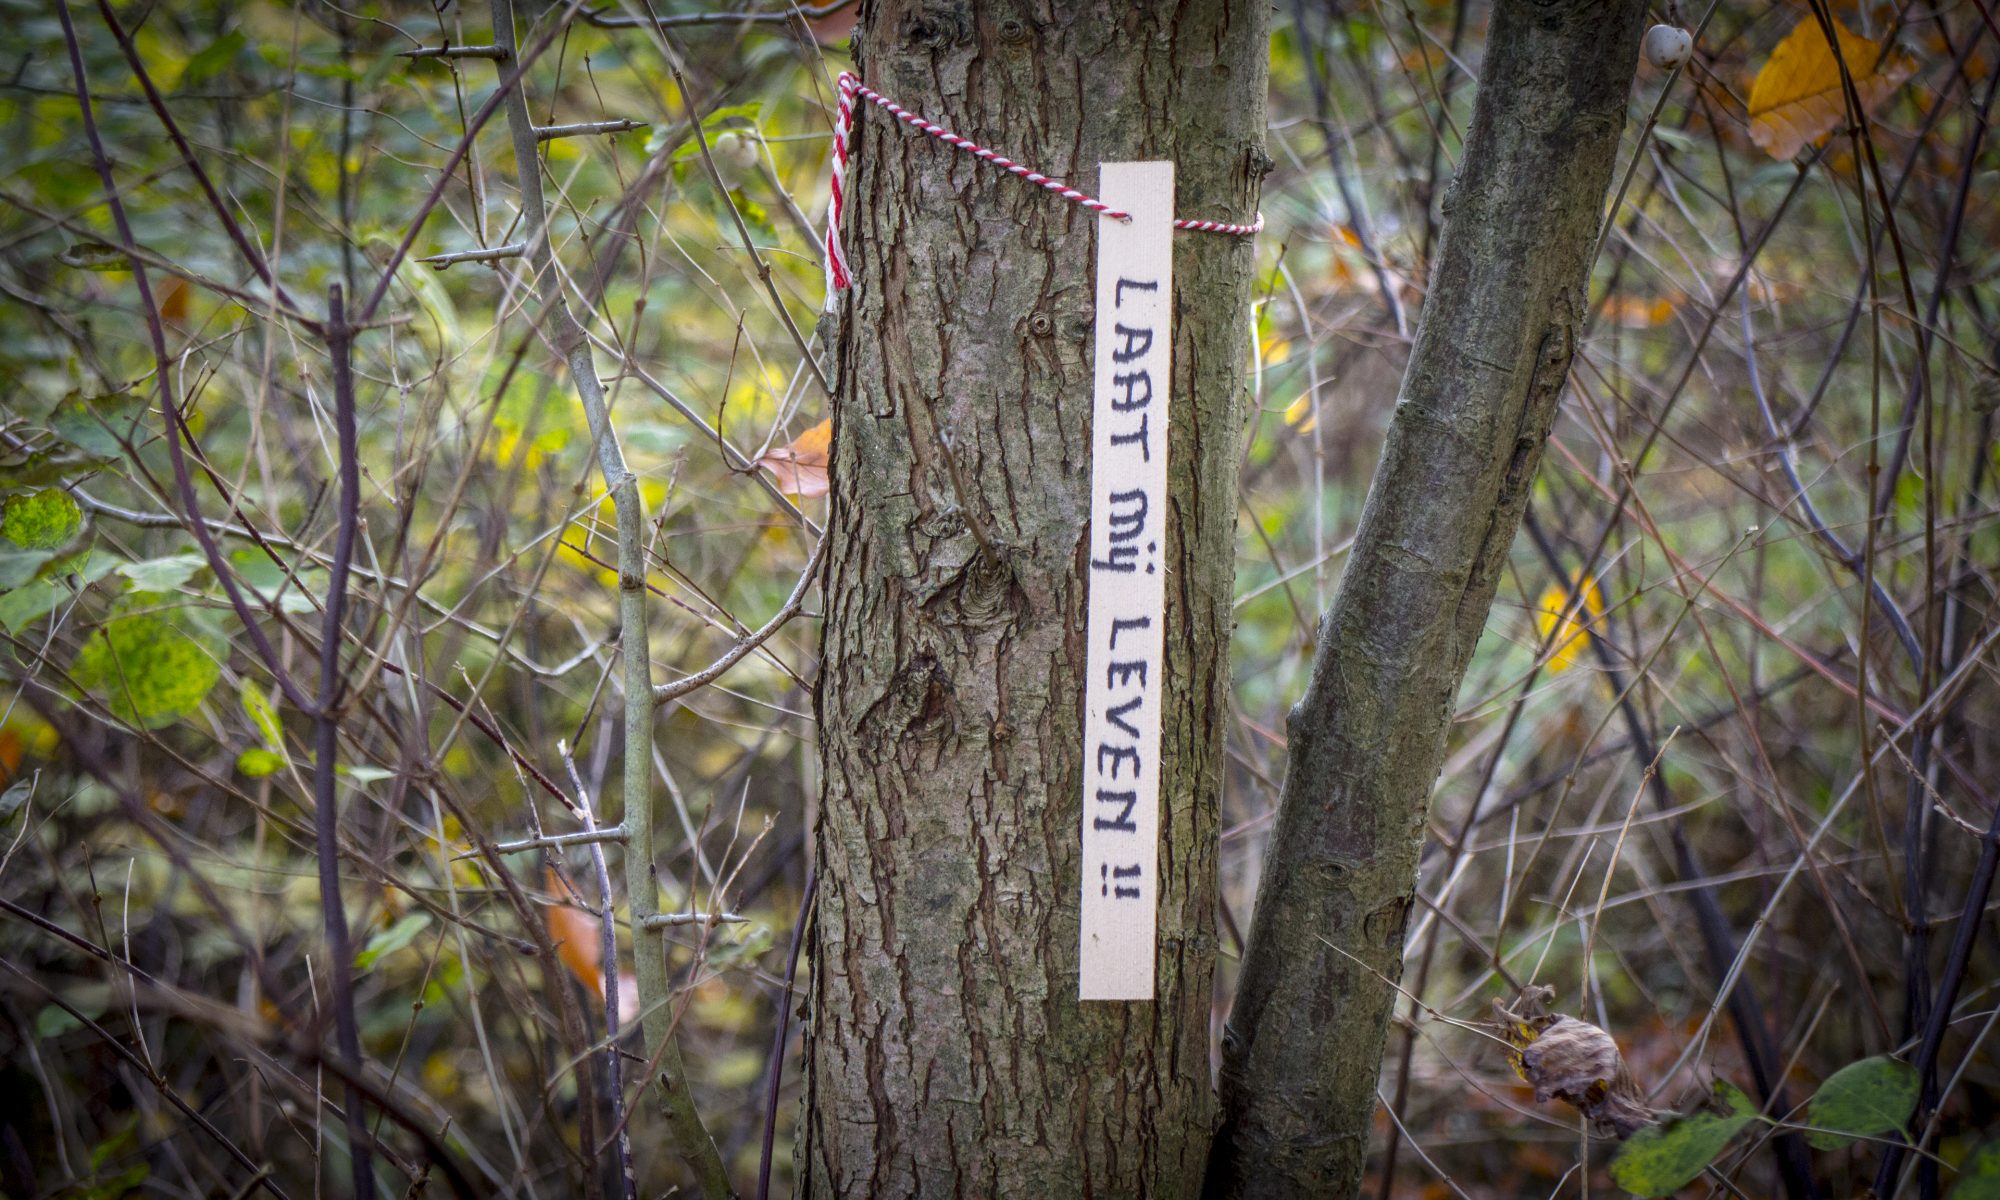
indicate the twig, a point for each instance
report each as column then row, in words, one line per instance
column 1788, row 462
column 1939, row 1020
column 337, row 333
column 1718, row 942
column 689, row 1139
column 163, row 382
column 1392, row 300
column 668, row 692
column 326, row 731
column 682, row 920
column 763, row 268
column 548, row 133
column 810, row 12
column 489, row 254
column 261, row 1176
column 608, row 956
column 496, row 53
column 774, row 1073
column 509, row 83
column 222, row 211
column 555, row 841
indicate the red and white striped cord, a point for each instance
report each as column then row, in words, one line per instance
column 851, row 87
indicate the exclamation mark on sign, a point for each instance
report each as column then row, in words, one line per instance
column 1107, row 872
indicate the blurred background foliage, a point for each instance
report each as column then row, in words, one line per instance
column 157, row 805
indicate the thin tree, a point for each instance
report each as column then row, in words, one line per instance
column 1302, row 1049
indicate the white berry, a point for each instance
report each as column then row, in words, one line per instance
column 1668, row 47
column 735, row 156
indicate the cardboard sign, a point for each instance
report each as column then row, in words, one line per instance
column 1124, row 675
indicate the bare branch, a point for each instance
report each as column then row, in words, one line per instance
column 682, row 919
column 547, row 133
column 489, row 254
column 496, row 53
column 555, row 841
column 673, row 691
column 811, row 12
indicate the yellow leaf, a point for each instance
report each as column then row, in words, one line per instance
column 800, row 468
column 1562, row 629
column 1299, row 414
column 1274, row 349
column 1797, row 98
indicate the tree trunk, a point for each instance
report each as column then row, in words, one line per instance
column 1302, row 1049
column 948, row 1053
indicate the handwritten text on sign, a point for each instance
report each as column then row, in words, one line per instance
column 1124, row 672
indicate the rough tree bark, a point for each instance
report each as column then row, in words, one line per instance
column 948, row 1053
column 1302, row 1049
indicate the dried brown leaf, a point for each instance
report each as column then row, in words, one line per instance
column 1574, row 1061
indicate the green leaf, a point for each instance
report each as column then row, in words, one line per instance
column 163, row 574
column 214, row 60
column 652, row 437
column 53, row 467
column 264, row 715
column 1979, row 1174
column 255, row 568
column 53, row 1022
column 103, row 1151
column 94, row 424
column 94, row 256
column 711, row 126
column 268, row 579
column 438, row 325
column 45, row 520
column 1661, row 1160
column 146, row 669
column 392, row 939
column 1872, row 1096
column 32, row 600
column 115, row 1187
column 257, row 763
column 20, row 566
column 15, row 797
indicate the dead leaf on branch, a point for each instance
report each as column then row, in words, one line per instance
column 1574, row 1061
column 1797, row 99
column 800, row 466
column 580, row 946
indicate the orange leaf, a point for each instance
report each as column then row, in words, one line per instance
column 833, row 29
column 576, row 934
column 1797, row 97
column 800, row 468
column 1637, row 312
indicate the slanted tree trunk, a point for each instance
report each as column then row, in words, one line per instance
column 948, row 1053
column 1302, row 1049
